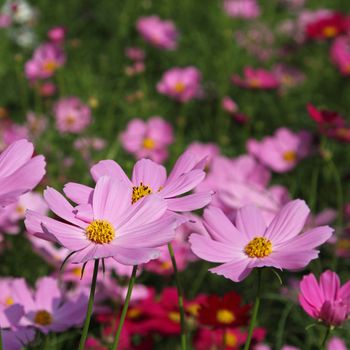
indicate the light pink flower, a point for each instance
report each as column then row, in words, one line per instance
column 46, row 59
column 256, row 79
column 282, row 151
column 204, row 150
column 229, row 105
column 340, row 54
column 159, row 33
column 181, row 84
column 11, row 132
column 326, row 301
column 5, row 20
column 336, row 344
column 19, row 172
column 250, row 243
column 151, row 178
column 148, row 139
column 106, row 225
column 135, row 54
column 72, row 115
column 57, row 34
column 242, row 8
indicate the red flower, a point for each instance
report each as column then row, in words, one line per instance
column 327, row 27
column 224, row 312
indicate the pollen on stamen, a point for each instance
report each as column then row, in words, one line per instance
column 139, row 192
column 259, row 247
column 100, row 232
column 43, row 318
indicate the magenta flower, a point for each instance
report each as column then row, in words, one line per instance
column 326, row 301
column 151, row 178
column 181, row 84
column 159, row 33
column 336, row 343
column 57, row 34
column 340, row 54
column 46, row 59
column 106, row 225
column 246, row 9
column 148, row 139
column 72, row 115
column 282, row 151
column 256, row 79
column 19, row 172
column 250, row 243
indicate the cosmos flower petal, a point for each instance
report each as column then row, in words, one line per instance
column 311, row 292
column 149, row 173
column 292, row 260
column 135, row 256
column 250, row 222
column 209, row 250
column 109, row 168
column 236, row 270
column 43, row 298
column 329, row 284
column 288, row 222
column 191, row 202
column 78, row 193
column 344, row 292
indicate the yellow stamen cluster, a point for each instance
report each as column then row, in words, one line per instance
column 179, row 87
column 139, row 192
column 254, row 82
column 100, row 232
column 330, row 31
column 50, row 66
column 193, row 309
column 9, row 301
column 225, row 316
column 70, row 120
column 290, row 156
column 259, row 247
column 149, row 143
column 43, row 318
column 134, row 313
column 174, row 316
column 230, row 340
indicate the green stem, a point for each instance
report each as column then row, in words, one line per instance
column 125, row 308
column 282, row 324
column 325, row 338
column 180, row 299
column 1, row 348
column 90, row 306
column 255, row 313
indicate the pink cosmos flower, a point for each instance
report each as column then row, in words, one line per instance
column 19, row 172
column 135, row 54
column 181, row 84
column 229, row 105
column 159, row 33
column 250, row 243
column 204, row 150
column 340, row 54
column 326, row 301
column 5, row 20
column 336, row 343
column 282, row 151
column 106, row 225
column 72, row 115
column 47, row 89
column 151, row 178
column 148, row 139
column 11, row 132
column 46, row 59
column 256, row 79
column 246, row 9
column 288, row 76
column 57, row 34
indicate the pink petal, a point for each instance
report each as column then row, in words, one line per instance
column 288, row 222
column 311, row 292
column 344, row 292
column 291, row 260
column 250, row 222
column 109, row 168
column 78, row 193
column 191, row 202
column 329, row 285
column 209, row 250
column 149, row 173
column 236, row 271
column 46, row 292
column 130, row 256
column 84, row 212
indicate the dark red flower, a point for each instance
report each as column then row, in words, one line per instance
column 224, row 312
column 327, row 27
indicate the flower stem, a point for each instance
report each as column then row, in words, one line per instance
column 325, row 338
column 255, row 313
column 125, row 308
column 90, row 306
column 1, row 348
column 180, row 299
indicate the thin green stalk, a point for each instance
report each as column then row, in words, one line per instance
column 90, row 306
column 282, row 324
column 180, row 299
column 125, row 308
column 325, row 338
column 255, row 313
column 1, row 348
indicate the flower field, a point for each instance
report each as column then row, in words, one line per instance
column 174, row 175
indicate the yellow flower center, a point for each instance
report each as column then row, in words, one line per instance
column 254, row 83
column 230, row 339
column 174, row 316
column 193, row 309
column 165, row 265
column 290, row 156
column 70, row 120
column 100, row 232
column 134, row 313
column 76, row 271
column 50, row 66
column 330, row 31
column 139, row 192
column 43, row 318
column 20, row 210
column 148, row 143
column 347, row 68
column 9, row 301
column 225, row 316
column 259, row 247
column 179, row 87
